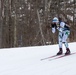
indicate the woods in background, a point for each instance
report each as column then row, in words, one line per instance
column 23, row 22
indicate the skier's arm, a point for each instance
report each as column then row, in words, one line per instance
column 53, row 27
column 61, row 26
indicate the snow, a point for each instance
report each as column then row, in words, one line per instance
column 27, row 61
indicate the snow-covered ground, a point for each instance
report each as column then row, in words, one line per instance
column 26, row 61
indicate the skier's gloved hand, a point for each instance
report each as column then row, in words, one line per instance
column 53, row 30
column 59, row 29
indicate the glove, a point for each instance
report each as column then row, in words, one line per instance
column 59, row 29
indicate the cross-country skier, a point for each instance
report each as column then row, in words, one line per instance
column 64, row 32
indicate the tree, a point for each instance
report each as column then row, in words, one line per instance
column 24, row 22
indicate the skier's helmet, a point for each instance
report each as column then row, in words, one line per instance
column 55, row 20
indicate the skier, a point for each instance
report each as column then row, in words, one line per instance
column 64, row 32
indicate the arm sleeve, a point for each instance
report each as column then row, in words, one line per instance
column 53, row 25
column 53, row 30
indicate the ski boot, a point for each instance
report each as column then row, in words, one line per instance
column 60, row 51
column 67, row 52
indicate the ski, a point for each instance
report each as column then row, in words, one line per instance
column 57, row 56
column 50, row 57
column 62, row 56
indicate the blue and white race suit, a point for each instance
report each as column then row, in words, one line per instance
column 64, row 32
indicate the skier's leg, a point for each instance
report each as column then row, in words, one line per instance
column 64, row 40
column 60, row 39
column 65, row 37
column 60, row 44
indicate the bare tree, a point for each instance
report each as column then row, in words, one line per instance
column 23, row 22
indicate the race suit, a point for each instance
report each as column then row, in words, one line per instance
column 64, row 32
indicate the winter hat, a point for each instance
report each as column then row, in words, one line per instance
column 55, row 19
